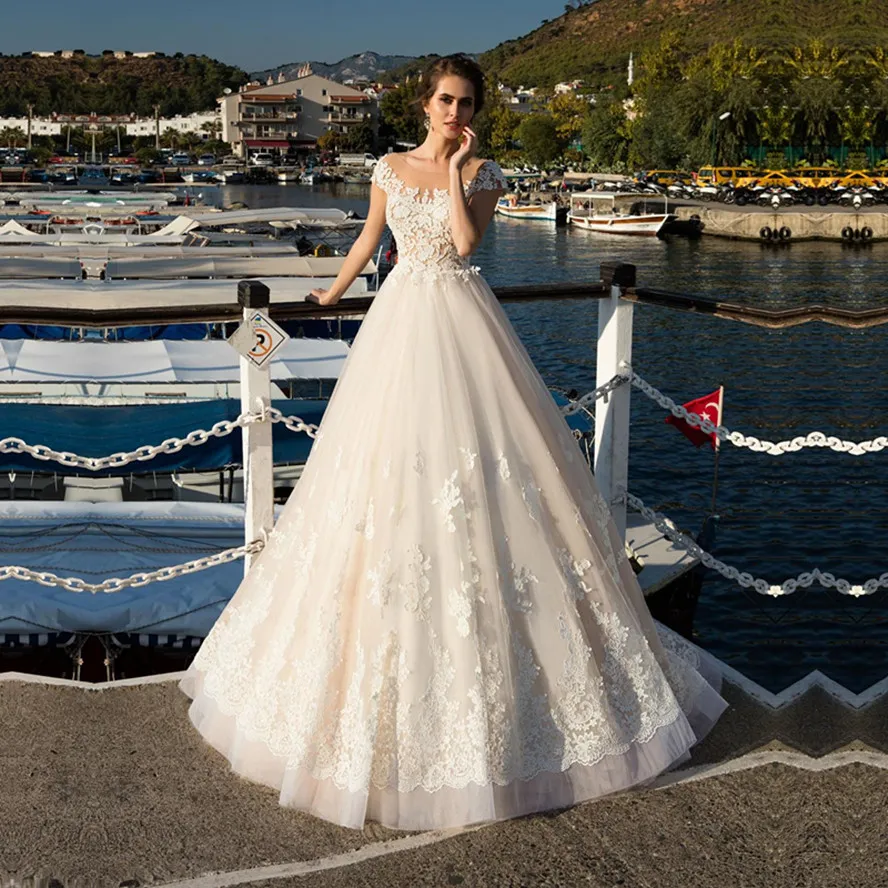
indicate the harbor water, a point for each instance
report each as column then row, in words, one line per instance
column 779, row 516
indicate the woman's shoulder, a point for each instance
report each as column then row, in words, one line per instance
column 488, row 176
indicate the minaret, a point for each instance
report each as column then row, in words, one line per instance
column 631, row 69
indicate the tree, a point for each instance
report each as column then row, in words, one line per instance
column 329, row 140
column 569, row 112
column 360, row 138
column 539, row 139
column 399, row 118
column 171, row 138
column 605, row 135
column 13, row 136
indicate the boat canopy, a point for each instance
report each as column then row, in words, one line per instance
column 125, row 295
column 101, row 540
column 183, row 361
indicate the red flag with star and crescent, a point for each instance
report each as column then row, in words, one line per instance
column 709, row 407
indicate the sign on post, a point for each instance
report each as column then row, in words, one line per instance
column 257, row 338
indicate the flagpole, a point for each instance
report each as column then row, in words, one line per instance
column 721, row 395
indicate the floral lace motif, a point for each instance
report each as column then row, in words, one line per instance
column 420, row 220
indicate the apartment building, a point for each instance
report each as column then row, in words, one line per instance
column 290, row 115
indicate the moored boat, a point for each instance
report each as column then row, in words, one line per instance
column 619, row 213
column 509, row 205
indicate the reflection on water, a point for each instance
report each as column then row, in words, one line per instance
column 779, row 515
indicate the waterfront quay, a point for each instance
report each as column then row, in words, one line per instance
column 845, row 224
column 785, row 791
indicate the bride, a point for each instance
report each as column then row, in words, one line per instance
column 443, row 628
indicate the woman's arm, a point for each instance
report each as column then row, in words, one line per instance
column 468, row 218
column 359, row 255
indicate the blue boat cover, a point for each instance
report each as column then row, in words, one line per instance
column 100, row 431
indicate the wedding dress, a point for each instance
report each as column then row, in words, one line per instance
column 443, row 627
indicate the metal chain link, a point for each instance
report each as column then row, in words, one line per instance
column 116, row 584
column 602, row 392
column 148, row 452
column 772, row 448
column 747, row 580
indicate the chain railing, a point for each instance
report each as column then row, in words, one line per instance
column 116, row 584
column 771, row 448
column 147, row 451
column 668, row 528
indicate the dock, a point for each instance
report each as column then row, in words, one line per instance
column 109, row 786
column 801, row 223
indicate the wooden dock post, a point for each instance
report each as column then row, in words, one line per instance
column 614, row 355
column 255, row 391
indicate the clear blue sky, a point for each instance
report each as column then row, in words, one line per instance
column 256, row 35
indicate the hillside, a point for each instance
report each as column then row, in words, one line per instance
column 179, row 84
column 363, row 66
column 594, row 40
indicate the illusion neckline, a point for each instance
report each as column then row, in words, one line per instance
column 420, row 190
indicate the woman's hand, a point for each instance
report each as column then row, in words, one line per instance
column 465, row 151
column 319, row 296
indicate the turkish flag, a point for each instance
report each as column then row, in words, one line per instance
column 709, row 407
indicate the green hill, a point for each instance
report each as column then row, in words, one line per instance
column 180, row 84
column 593, row 41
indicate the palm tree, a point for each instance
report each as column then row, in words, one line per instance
column 13, row 136
column 171, row 138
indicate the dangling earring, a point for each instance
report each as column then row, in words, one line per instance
column 427, row 122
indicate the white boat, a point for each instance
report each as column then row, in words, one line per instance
column 615, row 214
column 285, row 176
column 509, row 205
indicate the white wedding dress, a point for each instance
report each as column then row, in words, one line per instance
column 443, row 628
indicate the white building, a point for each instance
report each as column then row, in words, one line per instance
column 192, row 123
column 40, row 126
column 290, row 115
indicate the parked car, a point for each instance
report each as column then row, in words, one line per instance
column 262, row 159
column 206, row 160
column 180, row 159
column 231, row 160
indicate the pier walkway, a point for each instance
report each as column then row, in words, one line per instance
column 109, row 786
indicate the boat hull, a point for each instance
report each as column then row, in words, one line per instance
column 649, row 225
column 544, row 212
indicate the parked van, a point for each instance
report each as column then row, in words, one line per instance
column 816, row 177
column 724, row 175
column 362, row 160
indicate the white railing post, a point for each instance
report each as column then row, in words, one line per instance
column 255, row 392
column 614, row 355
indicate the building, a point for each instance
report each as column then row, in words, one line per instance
column 40, row 126
column 291, row 115
column 204, row 123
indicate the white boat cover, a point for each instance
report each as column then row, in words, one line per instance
column 31, row 361
column 123, row 295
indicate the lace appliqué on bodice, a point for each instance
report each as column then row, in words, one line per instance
column 420, row 220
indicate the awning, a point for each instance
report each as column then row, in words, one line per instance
column 266, row 143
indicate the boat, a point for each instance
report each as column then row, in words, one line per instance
column 287, row 176
column 510, row 205
column 616, row 213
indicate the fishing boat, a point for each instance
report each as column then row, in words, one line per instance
column 510, row 205
column 617, row 213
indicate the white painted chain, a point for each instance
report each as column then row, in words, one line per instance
column 747, row 580
column 772, row 448
column 116, row 584
column 588, row 401
column 148, row 452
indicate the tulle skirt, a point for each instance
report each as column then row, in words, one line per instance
column 444, row 628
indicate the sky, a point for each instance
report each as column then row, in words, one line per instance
column 257, row 35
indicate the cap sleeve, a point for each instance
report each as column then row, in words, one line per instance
column 488, row 178
column 382, row 174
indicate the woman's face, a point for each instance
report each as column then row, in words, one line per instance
column 451, row 107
